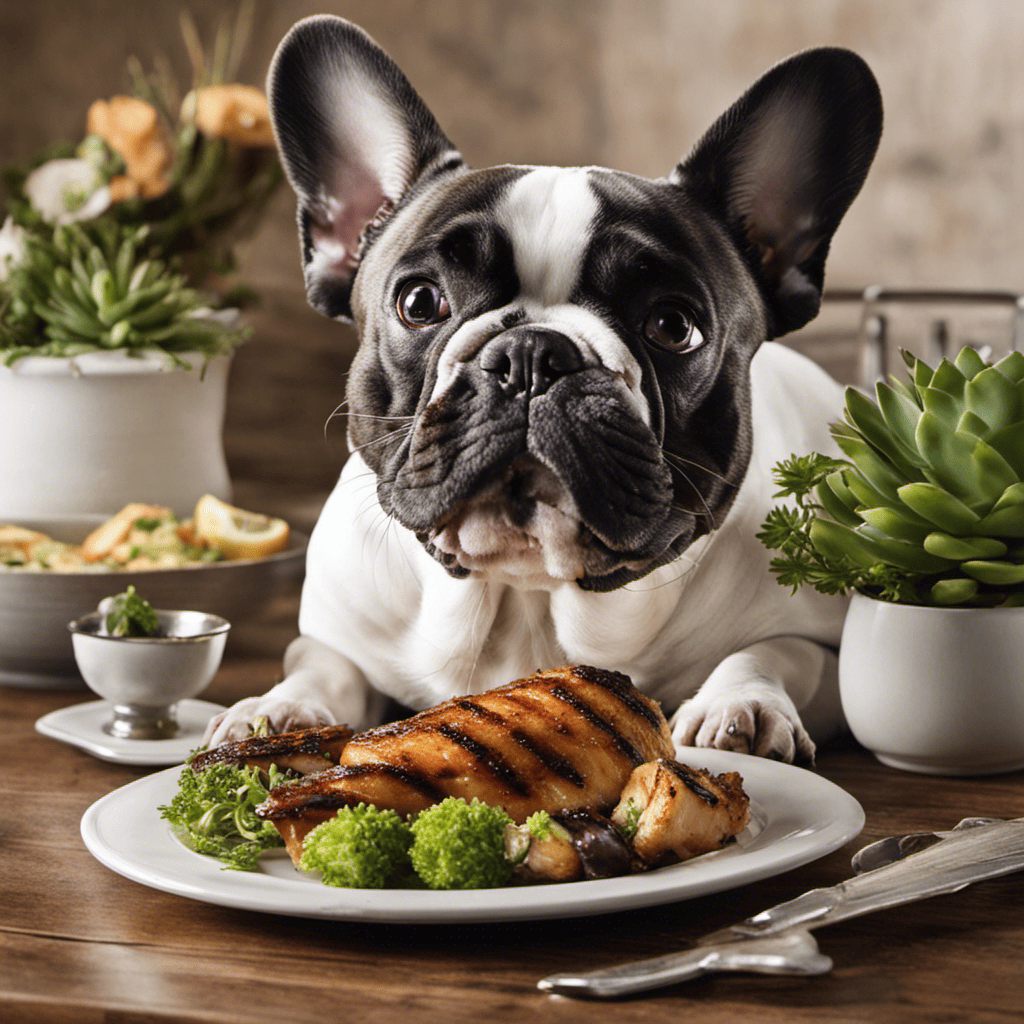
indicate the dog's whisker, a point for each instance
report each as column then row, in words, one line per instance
column 406, row 430
column 702, row 514
column 700, row 497
column 363, row 476
column 338, row 411
column 374, row 416
column 327, row 422
column 679, row 460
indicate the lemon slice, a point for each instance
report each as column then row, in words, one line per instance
column 237, row 533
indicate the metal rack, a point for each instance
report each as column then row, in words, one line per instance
column 939, row 315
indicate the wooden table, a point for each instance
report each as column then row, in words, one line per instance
column 80, row 944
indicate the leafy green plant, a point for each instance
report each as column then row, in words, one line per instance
column 81, row 288
column 102, row 242
column 130, row 614
column 214, row 812
column 928, row 506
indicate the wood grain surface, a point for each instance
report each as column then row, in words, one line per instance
column 80, row 944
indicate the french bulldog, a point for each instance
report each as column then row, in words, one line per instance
column 565, row 406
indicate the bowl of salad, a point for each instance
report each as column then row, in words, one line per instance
column 222, row 560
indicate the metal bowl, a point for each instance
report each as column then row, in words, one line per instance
column 144, row 677
column 36, row 607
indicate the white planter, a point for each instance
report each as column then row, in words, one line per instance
column 94, row 432
column 935, row 690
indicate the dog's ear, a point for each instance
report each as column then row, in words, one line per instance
column 353, row 136
column 782, row 166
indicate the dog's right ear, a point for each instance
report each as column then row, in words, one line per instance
column 353, row 136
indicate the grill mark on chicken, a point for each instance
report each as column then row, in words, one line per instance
column 683, row 811
column 317, row 791
column 304, row 751
column 594, row 718
column 554, row 763
column 689, row 780
column 540, row 715
column 560, row 740
column 489, row 758
column 621, row 686
column 470, row 705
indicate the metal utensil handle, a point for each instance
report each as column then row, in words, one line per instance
column 794, row 952
column 972, row 855
column 777, row 940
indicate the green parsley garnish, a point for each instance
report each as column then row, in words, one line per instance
column 629, row 827
column 214, row 812
column 131, row 615
column 788, row 530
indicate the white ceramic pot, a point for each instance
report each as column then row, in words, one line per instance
column 94, row 432
column 935, row 690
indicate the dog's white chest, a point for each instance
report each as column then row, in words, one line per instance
column 373, row 593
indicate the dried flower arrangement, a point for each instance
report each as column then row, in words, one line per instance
column 104, row 244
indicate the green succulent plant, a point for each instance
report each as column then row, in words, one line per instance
column 90, row 286
column 928, row 507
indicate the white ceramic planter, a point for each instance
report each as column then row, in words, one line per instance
column 935, row 690
column 91, row 433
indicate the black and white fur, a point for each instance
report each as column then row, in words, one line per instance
column 569, row 460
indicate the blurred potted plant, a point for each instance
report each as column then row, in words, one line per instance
column 924, row 521
column 117, row 316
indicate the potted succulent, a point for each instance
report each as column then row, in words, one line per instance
column 924, row 521
column 117, row 313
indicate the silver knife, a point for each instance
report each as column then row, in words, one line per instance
column 778, row 940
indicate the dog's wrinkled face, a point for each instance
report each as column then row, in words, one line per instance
column 534, row 324
column 552, row 382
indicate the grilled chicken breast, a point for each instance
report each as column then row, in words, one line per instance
column 683, row 811
column 561, row 740
column 305, row 751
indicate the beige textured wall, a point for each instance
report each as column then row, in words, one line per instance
column 626, row 83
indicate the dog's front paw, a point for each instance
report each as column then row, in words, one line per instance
column 282, row 715
column 754, row 720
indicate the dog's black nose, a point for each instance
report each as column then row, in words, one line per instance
column 528, row 360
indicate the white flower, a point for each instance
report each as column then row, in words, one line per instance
column 12, row 247
column 61, row 191
column 229, row 318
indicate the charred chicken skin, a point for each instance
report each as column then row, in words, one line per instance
column 304, row 752
column 562, row 740
column 682, row 811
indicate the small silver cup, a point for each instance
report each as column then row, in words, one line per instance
column 144, row 677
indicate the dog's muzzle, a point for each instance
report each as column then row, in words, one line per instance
column 533, row 466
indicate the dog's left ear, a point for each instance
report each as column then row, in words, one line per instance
column 782, row 166
column 353, row 136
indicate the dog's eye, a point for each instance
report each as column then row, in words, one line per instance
column 421, row 303
column 669, row 327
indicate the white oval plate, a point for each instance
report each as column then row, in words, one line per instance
column 797, row 817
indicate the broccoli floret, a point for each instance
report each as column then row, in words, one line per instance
column 461, row 846
column 539, row 825
column 128, row 614
column 542, row 826
column 360, row 848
